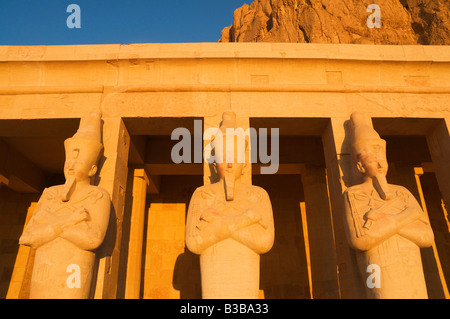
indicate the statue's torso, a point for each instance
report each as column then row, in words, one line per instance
column 229, row 268
column 58, row 259
column 54, row 263
column 398, row 258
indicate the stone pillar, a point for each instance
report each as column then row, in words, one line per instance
column 408, row 175
column 340, row 171
column 134, row 266
column 320, row 234
column 418, row 172
column 113, row 178
column 439, row 146
column 19, row 285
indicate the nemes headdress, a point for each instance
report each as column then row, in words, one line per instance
column 361, row 133
column 87, row 141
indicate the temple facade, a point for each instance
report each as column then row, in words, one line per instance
column 297, row 96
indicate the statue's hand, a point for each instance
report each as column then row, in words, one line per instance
column 209, row 216
column 255, row 216
column 372, row 216
column 375, row 215
column 80, row 215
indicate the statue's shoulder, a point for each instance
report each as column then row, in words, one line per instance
column 52, row 192
column 401, row 192
column 254, row 193
column 55, row 188
column 98, row 192
column 99, row 189
column 353, row 190
column 205, row 191
column 257, row 190
column 356, row 197
column 204, row 188
column 399, row 188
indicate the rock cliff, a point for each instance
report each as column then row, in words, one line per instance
column 341, row 21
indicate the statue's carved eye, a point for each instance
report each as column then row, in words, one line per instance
column 75, row 153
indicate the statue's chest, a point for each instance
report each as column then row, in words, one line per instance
column 373, row 202
column 57, row 207
column 363, row 203
column 229, row 208
column 65, row 208
column 242, row 202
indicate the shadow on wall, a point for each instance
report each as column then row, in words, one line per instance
column 186, row 276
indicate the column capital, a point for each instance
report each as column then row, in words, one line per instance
column 141, row 173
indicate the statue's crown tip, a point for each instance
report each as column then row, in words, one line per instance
column 228, row 119
column 90, row 127
column 360, row 118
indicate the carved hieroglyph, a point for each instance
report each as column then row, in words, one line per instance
column 385, row 224
column 229, row 224
column 70, row 222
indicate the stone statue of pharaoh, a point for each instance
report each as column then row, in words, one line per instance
column 229, row 224
column 384, row 223
column 70, row 222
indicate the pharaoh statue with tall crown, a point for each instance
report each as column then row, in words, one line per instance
column 70, row 221
column 384, row 223
column 229, row 223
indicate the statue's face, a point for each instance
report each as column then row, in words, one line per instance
column 372, row 160
column 78, row 168
column 230, row 168
column 230, row 158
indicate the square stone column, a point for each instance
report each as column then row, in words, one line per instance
column 21, row 276
column 113, row 178
column 320, row 234
column 134, row 265
column 340, row 172
column 439, row 145
column 408, row 175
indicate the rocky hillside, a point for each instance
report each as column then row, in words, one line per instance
column 341, row 21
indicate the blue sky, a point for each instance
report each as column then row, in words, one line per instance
column 43, row 22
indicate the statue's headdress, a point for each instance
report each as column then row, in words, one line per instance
column 361, row 132
column 238, row 143
column 87, row 140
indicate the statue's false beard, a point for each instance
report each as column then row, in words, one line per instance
column 381, row 185
column 68, row 188
column 229, row 184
